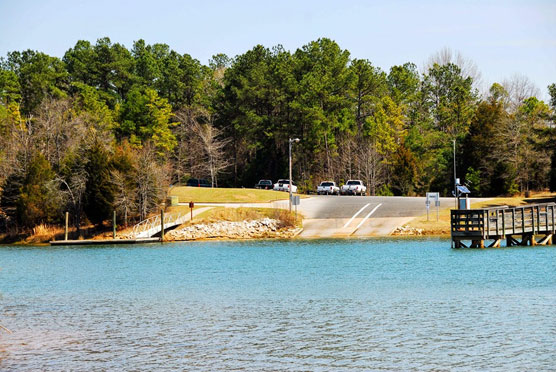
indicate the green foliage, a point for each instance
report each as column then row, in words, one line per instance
column 451, row 99
column 403, row 82
column 384, row 190
column 39, row 76
column 146, row 116
column 99, row 190
column 480, row 152
column 473, row 180
column 394, row 130
column 35, row 203
column 10, row 90
column 405, row 171
column 552, row 92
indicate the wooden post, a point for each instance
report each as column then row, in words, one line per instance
column 522, row 221
column 66, row 233
column 114, row 226
column 538, row 219
column 533, row 221
column 488, row 224
column 162, row 224
column 513, row 221
column 552, row 220
column 503, row 223
column 546, row 218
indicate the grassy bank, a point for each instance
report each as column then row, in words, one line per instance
column 243, row 214
column 221, row 195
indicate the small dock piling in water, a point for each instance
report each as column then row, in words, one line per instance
column 487, row 227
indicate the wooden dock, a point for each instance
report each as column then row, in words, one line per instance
column 107, row 241
column 526, row 225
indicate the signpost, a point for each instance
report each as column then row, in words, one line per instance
column 191, row 206
column 433, row 196
column 295, row 201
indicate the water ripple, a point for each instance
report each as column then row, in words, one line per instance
column 318, row 306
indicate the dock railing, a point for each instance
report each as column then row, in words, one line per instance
column 498, row 222
column 151, row 226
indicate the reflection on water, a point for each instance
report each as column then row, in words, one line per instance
column 309, row 305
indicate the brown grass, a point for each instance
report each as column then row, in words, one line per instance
column 44, row 233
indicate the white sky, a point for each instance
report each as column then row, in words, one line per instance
column 503, row 38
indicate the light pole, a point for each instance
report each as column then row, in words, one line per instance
column 292, row 140
column 455, row 179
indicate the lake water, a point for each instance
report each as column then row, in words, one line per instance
column 325, row 305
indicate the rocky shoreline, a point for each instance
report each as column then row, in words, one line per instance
column 251, row 229
column 408, row 230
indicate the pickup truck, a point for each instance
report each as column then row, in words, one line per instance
column 284, row 185
column 264, row 185
column 328, row 188
column 353, row 187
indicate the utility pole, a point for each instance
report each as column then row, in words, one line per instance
column 291, row 140
column 455, row 179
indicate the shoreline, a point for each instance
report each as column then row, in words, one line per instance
column 231, row 239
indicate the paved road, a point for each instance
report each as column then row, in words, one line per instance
column 330, row 215
column 330, row 206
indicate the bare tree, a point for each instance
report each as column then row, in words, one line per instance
column 371, row 163
column 72, row 189
column 124, row 197
column 58, row 130
column 200, row 144
column 216, row 161
column 468, row 68
column 152, row 180
column 519, row 88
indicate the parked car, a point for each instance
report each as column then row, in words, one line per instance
column 198, row 182
column 353, row 187
column 284, row 185
column 264, row 184
column 328, row 188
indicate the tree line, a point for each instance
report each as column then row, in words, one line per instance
column 109, row 128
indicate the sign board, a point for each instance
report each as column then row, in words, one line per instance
column 191, row 205
column 295, row 200
column 433, row 197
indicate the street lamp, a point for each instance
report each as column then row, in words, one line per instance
column 455, row 179
column 292, row 140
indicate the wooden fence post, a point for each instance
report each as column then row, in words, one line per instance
column 66, row 231
column 114, row 226
column 162, row 225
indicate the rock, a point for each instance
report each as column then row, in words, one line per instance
column 265, row 227
column 407, row 230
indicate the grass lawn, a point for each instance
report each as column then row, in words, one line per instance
column 442, row 226
column 220, row 195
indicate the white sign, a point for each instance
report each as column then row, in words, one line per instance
column 433, row 196
column 295, row 199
